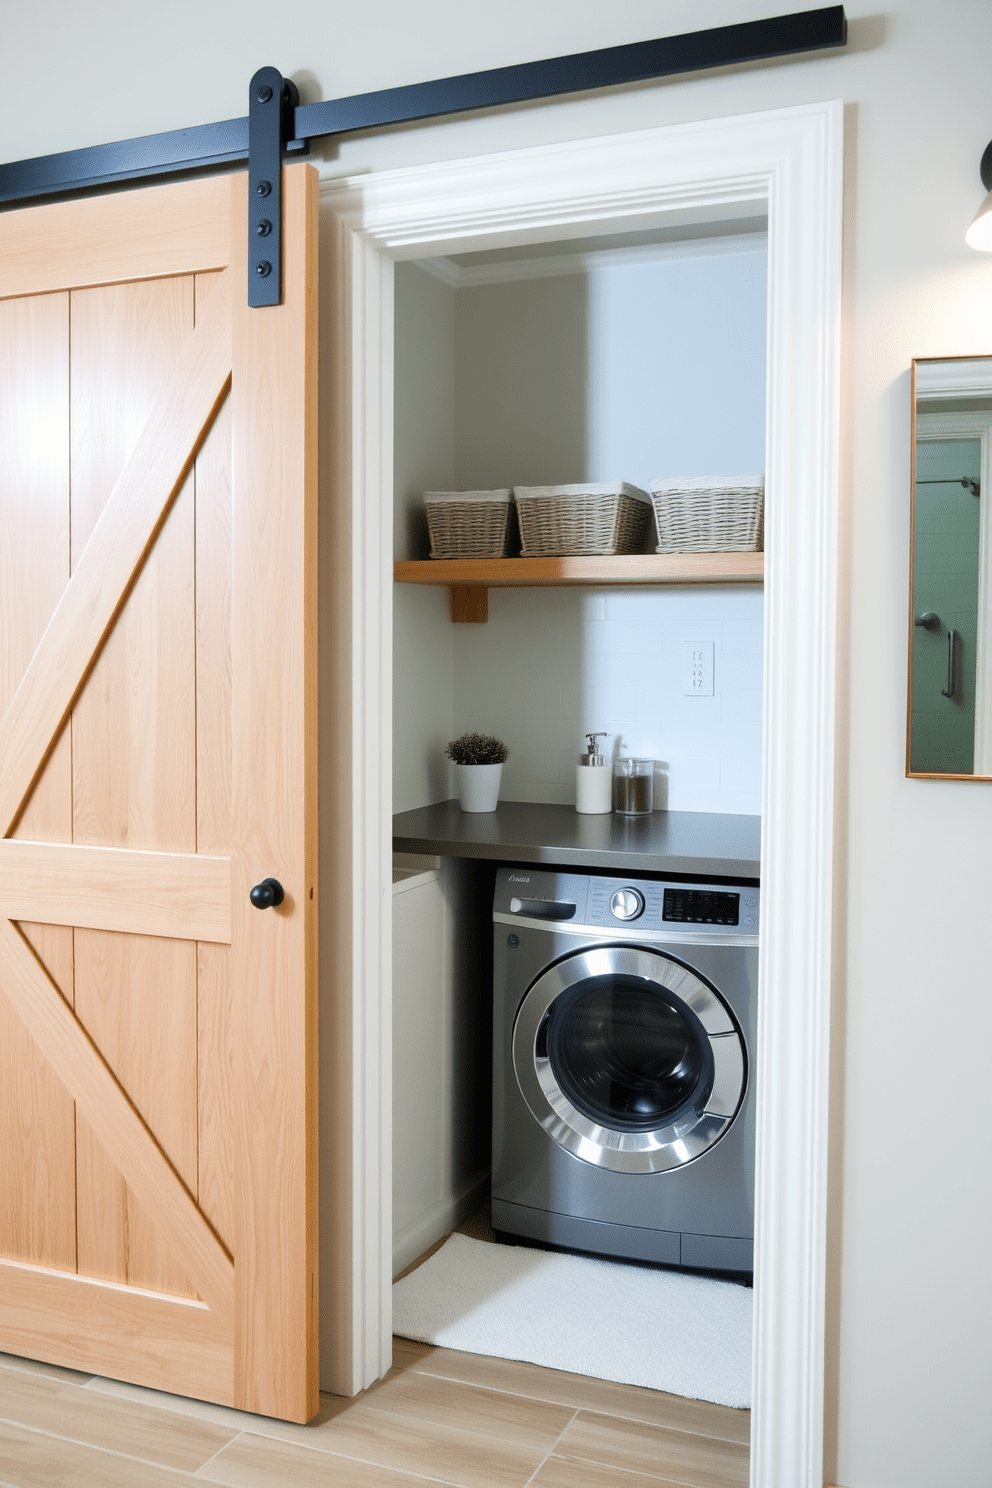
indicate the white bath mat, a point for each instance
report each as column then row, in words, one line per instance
column 688, row 1335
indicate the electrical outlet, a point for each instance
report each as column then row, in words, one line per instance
column 697, row 668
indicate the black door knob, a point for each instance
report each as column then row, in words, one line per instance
column 267, row 894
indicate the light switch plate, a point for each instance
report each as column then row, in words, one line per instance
column 697, row 668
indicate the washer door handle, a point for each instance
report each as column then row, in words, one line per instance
column 543, row 909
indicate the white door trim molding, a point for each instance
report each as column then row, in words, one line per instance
column 789, row 161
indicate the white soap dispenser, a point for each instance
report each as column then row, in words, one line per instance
column 593, row 781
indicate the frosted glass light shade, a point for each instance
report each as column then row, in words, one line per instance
column 979, row 234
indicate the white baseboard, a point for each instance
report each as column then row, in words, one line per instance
column 439, row 1220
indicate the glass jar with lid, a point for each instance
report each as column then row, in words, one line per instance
column 635, row 786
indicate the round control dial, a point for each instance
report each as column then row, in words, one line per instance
column 627, row 904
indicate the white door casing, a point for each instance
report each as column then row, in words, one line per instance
column 789, row 161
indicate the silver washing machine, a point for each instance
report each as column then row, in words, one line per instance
column 623, row 1066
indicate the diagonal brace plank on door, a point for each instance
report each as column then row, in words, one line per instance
column 119, row 1128
column 110, row 562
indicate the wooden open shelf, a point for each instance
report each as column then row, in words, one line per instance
column 470, row 579
column 635, row 568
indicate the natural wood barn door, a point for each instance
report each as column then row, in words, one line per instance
column 157, row 758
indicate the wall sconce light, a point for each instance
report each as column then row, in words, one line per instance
column 979, row 234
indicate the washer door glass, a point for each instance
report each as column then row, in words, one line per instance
column 626, row 1053
column 628, row 1059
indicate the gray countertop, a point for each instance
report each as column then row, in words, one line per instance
column 694, row 843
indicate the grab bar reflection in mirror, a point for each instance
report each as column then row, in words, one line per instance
column 948, row 691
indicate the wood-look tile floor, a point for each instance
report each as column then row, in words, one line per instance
column 438, row 1417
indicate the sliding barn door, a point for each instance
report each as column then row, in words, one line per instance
column 157, row 759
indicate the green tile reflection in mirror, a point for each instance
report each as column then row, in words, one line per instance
column 950, row 691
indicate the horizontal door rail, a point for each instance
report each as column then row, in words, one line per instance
column 210, row 146
column 182, row 896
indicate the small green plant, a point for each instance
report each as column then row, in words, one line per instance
column 477, row 749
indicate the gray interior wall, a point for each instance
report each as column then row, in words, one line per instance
column 520, row 395
column 442, row 1043
column 424, row 411
column 441, row 975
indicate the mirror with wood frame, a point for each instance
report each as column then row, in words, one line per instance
column 949, row 726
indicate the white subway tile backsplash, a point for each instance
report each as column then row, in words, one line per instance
column 640, row 674
column 676, row 633
column 695, row 772
column 737, row 773
column 742, row 638
column 695, row 721
column 552, row 664
column 593, row 674
column 688, row 602
column 635, row 637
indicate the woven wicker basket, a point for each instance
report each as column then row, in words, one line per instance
column 471, row 524
column 710, row 514
column 569, row 521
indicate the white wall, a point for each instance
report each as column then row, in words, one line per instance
column 909, row 1300
column 676, row 380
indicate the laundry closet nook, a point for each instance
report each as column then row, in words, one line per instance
column 624, row 357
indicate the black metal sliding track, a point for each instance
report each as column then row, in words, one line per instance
column 207, row 146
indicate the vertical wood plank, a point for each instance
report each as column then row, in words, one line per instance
column 215, row 1048
column 213, row 634
column 133, row 748
column 37, row 1117
column 133, row 725
column 141, row 995
column 216, row 1092
column 274, row 818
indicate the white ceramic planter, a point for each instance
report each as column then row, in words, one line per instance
column 478, row 786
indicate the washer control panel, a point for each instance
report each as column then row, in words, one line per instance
column 701, row 906
column 638, row 907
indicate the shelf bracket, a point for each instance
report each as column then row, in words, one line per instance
column 469, row 604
